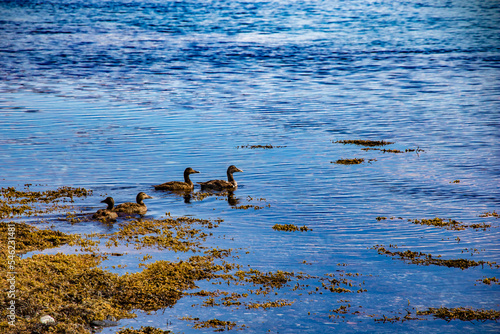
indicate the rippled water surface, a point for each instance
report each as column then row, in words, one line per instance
column 116, row 96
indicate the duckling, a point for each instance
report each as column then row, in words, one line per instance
column 130, row 208
column 108, row 213
column 187, row 185
column 230, row 184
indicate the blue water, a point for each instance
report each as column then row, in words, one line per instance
column 116, row 96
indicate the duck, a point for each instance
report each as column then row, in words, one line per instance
column 230, row 184
column 108, row 213
column 131, row 208
column 187, row 185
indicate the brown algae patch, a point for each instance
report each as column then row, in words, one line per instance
column 489, row 281
column 291, row 228
column 29, row 238
column 450, row 224
column 489, row 214
column 355, row 161
column 461, row 313
column 249, row 206
column 143, row 330
column 420, row 258
column 370, row 145
column 15, row 202
column 266, row 147
column 216, row 324
column 178, row 234
column 364, row 142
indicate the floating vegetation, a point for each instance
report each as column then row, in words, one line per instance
column 461, row 313
column 252, row 147
column 451, row 224
column 455, row 181
column 15, row 202
column 384, row 150
column 29, row 238
column 489, row 281
column 370, row 145
column 381, row 218
column 394, row 319
column 143, row 330
column 333, row 284
column 364, row 142
column 269, row 304
column 249, row 206
column 291, row 228
column 355, row 161
column 420, row 258
column 219, row 325
column 177, row 234
column 489, row 214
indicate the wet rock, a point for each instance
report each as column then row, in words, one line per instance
column 47, row 320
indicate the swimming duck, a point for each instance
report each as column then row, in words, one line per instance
column 230, row 184
column 130, row 208
column 108, row 213
column 187, row 185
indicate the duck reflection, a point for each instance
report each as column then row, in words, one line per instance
column 201, row 195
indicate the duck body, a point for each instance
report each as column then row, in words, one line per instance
column 108, row 213
column 134, row 208
column 187, row 185
column 230, row 184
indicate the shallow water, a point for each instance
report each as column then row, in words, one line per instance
column 116, row 96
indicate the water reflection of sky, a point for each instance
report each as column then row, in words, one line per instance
column 120, row 102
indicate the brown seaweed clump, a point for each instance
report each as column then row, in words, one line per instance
column 15, row 202
column 490, row 214
column 355, row 161
column 364, row 142
column 143, row 330
column 291, row 228
column 266, row 147
column 420, row 258
column 218, row 325
column 29, row 238
column 178, row 234
column 490, row 280
column 451, row 224
column 249, row 206
column 461, row 313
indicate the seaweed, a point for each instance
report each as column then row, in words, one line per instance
column 461, row 313
column 364, row 142
column 143, row 330
column 291, row 228
column 420, row 258
column 355, row 161
column 266, row 147
column 451, row 224
column 490, row 214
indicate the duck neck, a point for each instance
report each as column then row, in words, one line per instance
column 187, row 179
column 111, row 205
column 230, row 177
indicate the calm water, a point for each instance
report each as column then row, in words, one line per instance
column 116, row 96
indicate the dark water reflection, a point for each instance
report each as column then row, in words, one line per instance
column 117, row 96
